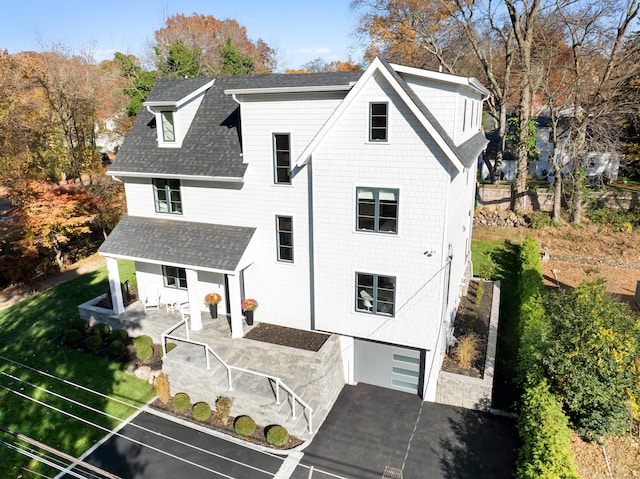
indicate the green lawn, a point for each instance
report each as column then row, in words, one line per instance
column 29, row 334
column 498, row 260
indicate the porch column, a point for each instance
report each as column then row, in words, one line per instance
column 195, row 301
column 114, row 285
column 237, row 330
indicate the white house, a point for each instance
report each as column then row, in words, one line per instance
column 342, row 202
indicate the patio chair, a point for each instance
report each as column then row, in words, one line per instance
column 185, row 311
column 366, row 299
column 152, row 300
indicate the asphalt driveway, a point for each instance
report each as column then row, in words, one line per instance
column 371, row 428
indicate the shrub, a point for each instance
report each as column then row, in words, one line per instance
column 223, row 407
column 120, row 335
column 245, row 426
column 163, row 389
column 540, row 219
column 142, row 341
column 546, row 437
column 181, row 402
column 277, row 436
column 144, row 347
column 467, row 351
column 116, row 348
column 72, row 337
column 170, row 347
column 99, row 329
column 79, row 324
column 201, row 411
column 93, row 343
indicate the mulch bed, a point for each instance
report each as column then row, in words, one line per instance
column 472, row 318
column 294, row 338
column 215, row 423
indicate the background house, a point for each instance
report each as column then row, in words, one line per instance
column 342, row 202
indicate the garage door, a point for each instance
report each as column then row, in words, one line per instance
column 389, row 366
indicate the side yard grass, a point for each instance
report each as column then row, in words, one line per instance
column 498, row 260
column 30, row 334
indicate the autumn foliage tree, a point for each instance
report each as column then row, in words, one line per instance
column 51, row 219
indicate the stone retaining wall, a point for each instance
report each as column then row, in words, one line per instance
column 473, row 393
column 93, row 314
column 499, row 198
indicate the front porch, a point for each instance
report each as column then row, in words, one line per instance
column 258, row 371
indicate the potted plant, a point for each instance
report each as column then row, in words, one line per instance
column 249, row 305
column 212, row 299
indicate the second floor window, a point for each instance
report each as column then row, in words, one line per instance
column 378, row 122
column 167, row 197
column 377, row 210
column 282, row 158
column 284, row 225
column 168, row 130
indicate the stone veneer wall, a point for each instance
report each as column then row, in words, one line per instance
column 473, row 393
column 93, row 314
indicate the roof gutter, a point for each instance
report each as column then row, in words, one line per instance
column 134, row 174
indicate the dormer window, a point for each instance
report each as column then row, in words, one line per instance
column 168, row 130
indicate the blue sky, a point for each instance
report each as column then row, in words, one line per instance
column 301, row 30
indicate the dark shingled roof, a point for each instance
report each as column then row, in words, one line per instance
column 212, row 146
column 174, row 89
column 197, row 245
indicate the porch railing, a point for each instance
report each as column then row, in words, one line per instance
column 208, row 351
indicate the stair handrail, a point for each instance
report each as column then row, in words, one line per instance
column 209, row 350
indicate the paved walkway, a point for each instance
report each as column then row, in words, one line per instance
column 371, row 429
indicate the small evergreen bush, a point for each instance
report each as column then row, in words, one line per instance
column 100, row 329
column 144, row 347
column 163, row 389
column 93, row 343
column 201, row 411
column 277, row 436
column 245, row 426
column 72, row 337
column 223, row 407
column 181, row 402
column 79, row 324
column 120, row 335
column 540, row 219
column 116, row 348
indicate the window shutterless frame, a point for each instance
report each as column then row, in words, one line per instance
column 375, row 294
column 168, row 128
column 284, row 238
column 378, row 121
column 174, row 277
column 377, row 210
column 282, row 158
column 167, row 197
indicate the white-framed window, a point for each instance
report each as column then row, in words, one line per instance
column 378, row 121
column 375, row 294
column 174, row 277
column 282, row 158
column 284, row 238
column 168, row 128
column 166, row 194
column 377, row 209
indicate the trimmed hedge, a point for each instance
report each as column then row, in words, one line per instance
column 245, row 426
column 79, row 324
column 120, row 335
column 116, row 348
column 181, row 402
column 93, row 343
column 201, row 411
column 277, row 436
column 100, row 329
column 546, row 437
column 144, row 347
column 72, row 337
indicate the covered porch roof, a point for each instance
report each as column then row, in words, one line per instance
column 202, row 246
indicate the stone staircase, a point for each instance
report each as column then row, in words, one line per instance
column 315, row 377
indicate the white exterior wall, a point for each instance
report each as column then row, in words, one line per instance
column 346, row 160
column 281, row 289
